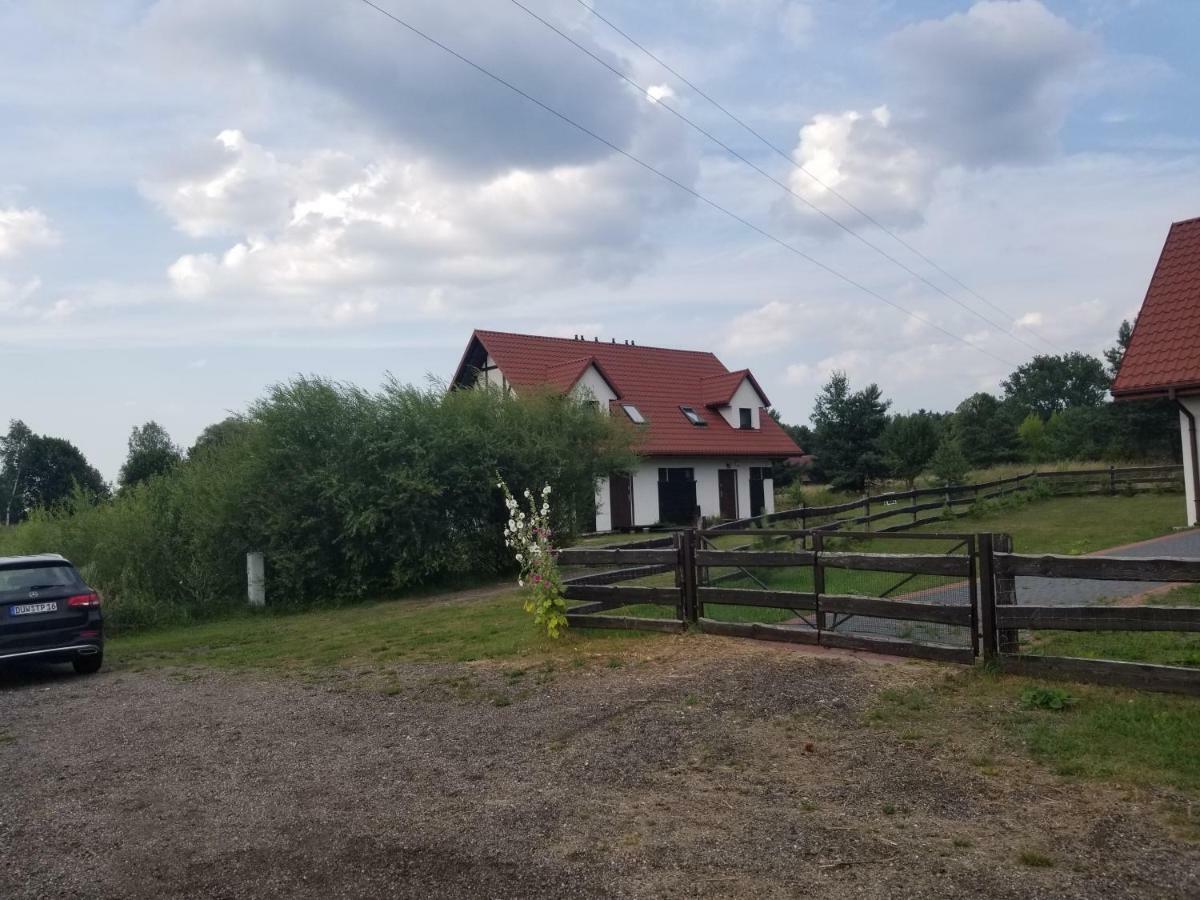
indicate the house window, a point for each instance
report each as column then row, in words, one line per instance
column 692, row 416
column 759, row 473
column 745, row 420
column 675, row 476
column 634, row 414
column 593, row 405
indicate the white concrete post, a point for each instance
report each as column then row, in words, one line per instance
column 256, row 579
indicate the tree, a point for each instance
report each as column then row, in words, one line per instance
column 1116, row 354
column 949, row 465
column 1032, row 434
column 783, row 473
column 53, row 469
column 14, row 464
column 985, row 430
column 219, row 434
column 1079, row 433
column 151, row 452
column 1047, row 384
column 846, row 430
column 1139, row 429
column 908, row 443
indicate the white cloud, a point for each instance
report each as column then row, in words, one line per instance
column 973, row 90
column 23, row 229
column 368, row 73
column 992, row 84
column 867, row 161
column 327, row 223
column 766, row 328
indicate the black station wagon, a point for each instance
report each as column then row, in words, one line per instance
column 48, row 613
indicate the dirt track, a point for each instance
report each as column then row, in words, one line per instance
column 747, row 773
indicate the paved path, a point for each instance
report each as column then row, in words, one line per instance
column 1036, row 591
column 1084, row 591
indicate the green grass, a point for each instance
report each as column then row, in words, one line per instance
column 379, row 633
column 1165, row 648
column 1103, row 733
column 1075, row 525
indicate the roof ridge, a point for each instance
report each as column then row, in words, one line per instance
column 1186, row 221
column 586, row 343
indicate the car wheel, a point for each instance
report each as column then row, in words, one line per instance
column 88, row 665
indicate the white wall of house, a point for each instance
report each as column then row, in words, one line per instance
column 645, row 488
column 744, row 397
column 592, row 386
column 603, row 511
column 492, row 376
column 1193, row 405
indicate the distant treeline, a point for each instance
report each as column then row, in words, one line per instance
column 1051, row 408
column 349, row 493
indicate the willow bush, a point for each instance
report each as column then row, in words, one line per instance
column 350, row 494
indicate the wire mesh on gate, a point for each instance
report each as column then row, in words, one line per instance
column 913, row 587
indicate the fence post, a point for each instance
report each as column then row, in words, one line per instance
column 1007, row 639
column 914, row 504
column 867, row 510
column 690, row 594
column 1112, row 479
column 256, row 579
column 818, row 545
column 973, row 591
column 987, row 596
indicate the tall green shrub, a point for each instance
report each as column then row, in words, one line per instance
column 349, row 493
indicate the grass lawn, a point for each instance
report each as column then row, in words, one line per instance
column 414, row 630
column 1166, row 648
column 1102, row 733
column 1075, row 525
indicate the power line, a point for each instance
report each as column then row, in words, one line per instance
column 786, row 156
column 683, row 187
column 850, row 231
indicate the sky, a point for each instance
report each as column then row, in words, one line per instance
column 201, row 198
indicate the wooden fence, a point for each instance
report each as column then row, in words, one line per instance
column 1004, row 619
column 982, row 566
column 911, row 505
column 818, row 612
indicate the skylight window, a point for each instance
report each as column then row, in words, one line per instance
column 692, row 416
column 634, row 414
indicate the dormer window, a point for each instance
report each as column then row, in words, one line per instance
column 635, row 415
column 692, row 416
column 745, row 418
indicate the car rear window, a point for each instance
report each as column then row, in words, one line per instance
column 22, row 580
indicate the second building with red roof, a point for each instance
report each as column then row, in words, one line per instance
column 707, row 440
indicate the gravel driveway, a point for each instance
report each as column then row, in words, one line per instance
column 749, row 772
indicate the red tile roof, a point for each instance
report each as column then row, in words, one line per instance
column 719, row 389
column 563, row 376
column 655, row 380
column 1164, row 352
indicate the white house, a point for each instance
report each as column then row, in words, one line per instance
column 708, row 443
column 1163, row 357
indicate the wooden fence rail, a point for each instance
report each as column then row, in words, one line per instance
column 1084, row 481
column 993, row 618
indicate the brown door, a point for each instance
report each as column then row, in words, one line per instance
column 727, row 492
column 620, row 498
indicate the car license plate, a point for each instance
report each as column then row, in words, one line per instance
column 30, row 609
